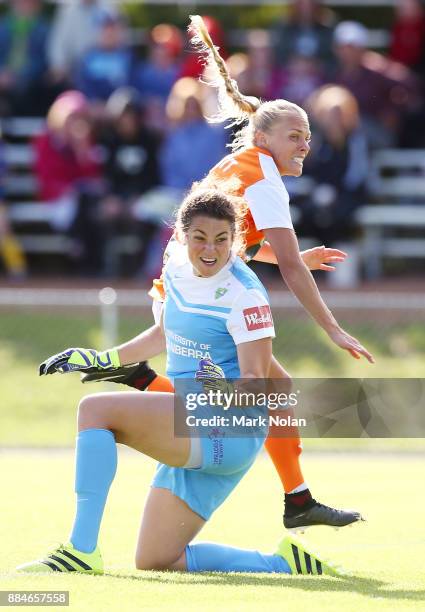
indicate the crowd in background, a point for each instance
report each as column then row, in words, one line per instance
column 126, row 133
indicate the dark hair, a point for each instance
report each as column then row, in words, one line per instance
column 216, row 204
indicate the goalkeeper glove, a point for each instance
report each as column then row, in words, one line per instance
column 212, row 377
column 77, row 359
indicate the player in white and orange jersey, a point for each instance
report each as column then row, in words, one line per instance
column 273, row 143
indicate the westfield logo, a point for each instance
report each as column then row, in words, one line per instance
column 258, row 317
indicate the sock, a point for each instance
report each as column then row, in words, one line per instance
column 206, row 557
column 96, row 465
column 285, row 453
column 161, row 383
column 302, row 487
column 298, row 502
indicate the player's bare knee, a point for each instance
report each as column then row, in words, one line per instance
column 90, row 413
column 148, row 564
column 154, row 563
column 157, row 560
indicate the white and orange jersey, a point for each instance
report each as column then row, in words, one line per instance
column 262, row 187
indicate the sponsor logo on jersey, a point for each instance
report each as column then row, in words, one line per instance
column 220, row 292
column 258, row 317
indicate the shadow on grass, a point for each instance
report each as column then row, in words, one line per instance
column 370, row 587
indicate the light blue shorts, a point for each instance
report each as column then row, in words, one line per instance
column 224, row 462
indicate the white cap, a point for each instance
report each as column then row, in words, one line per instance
column 351, row 33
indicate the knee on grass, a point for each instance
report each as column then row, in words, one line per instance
column 159, row 562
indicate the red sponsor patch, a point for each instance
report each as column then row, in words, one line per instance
column 258, row 317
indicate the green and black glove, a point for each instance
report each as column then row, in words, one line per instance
column 80, row 359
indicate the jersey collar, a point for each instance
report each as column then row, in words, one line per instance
column 265, row 152
column 261, row 150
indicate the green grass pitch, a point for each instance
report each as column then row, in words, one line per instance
column 386, row 553
column 47, row 405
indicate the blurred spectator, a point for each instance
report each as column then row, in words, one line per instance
column 407, row 96
column 260, row 58
column 307, row 32
column 131, row 169
column 193, row 64
column 10, row 250
column 408, row 34
column 130, row 147
column 68, row 171
column 254, row 70
column 257, row 75
column 23, row 32
column 298, row 79
column 383, row 90
column 192, row 146
column 65, row 49
column 338, row 164
column 109, row 63
column 155, row 76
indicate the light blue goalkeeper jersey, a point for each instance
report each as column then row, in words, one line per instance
column 206, row 318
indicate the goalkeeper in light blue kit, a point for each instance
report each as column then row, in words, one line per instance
column 216, row 321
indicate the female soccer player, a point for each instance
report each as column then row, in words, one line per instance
column 273, row 143
column 195, row 475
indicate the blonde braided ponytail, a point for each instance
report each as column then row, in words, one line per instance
column 234, row 107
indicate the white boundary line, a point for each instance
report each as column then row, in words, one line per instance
column 139, row 298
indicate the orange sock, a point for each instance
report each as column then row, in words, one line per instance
column 285, row 453
column 161, row 383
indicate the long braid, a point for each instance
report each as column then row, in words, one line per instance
column 233, row 105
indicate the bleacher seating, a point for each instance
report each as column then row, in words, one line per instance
column 396, row 185
column 31, row 219
column 393, row 226
column 17, row 133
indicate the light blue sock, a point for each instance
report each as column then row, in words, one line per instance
column 96, row 465
column 206, row 557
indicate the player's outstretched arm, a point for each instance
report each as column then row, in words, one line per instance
column 316, row 258
column 322, row 258
column 302, row 284
column 144, row 346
